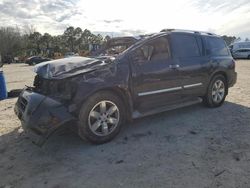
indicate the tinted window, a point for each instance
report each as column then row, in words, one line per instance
column 157, row 49
column 185, row 45
column 216, row 46
column 201, row 47
column 244, row 50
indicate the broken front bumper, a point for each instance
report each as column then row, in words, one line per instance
column 40, row 115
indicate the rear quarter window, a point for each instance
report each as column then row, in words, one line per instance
column 216, row 46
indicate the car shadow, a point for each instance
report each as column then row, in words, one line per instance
column 142, row 126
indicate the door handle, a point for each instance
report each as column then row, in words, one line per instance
column 174, row 66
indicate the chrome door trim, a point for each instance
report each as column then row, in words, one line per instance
column 169, row 89
column 159, row 91
column 192, row 85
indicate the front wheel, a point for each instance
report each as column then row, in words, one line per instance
column 216, row 92
column 101, row 117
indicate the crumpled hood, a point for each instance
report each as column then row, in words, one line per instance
column 67, row 67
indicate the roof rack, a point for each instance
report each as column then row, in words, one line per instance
column 187, row 31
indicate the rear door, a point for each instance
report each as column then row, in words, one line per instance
column 188, row 51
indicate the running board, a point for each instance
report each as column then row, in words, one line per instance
column 137, row 114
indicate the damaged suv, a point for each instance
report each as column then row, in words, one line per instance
column 168, row 70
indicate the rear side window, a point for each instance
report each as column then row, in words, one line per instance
column 216, row 46
column 185, row 45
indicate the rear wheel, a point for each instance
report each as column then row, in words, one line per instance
column 248, row 57
column 216, row 92
column 101, row 117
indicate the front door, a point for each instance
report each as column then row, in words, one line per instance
column 155, row 77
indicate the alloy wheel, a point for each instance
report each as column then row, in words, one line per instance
column 103, row 118
column 218, row 91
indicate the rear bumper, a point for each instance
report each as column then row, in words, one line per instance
column 40, row 115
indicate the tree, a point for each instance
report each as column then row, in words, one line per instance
column 69, row 38
column 57, row 43
column 78, row 37
column 10, row 41
column 28, row 29
column 237, row 39
column 86, row 35
column 99, row 39
column 229, row 39
column 46, row 39
column 35, row 38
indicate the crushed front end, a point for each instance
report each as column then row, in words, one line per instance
column 50, row 104
column 40, row 114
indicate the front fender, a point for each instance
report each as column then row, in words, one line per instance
column 114, row 78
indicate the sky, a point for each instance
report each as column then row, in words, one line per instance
column 129, row 17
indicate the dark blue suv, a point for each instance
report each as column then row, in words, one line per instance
column 160, row 72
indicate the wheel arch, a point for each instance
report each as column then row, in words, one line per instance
column 122, row 93
column 125, row 97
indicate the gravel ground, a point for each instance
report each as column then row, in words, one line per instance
column 192, row 147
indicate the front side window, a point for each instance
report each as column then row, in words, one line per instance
column 157, row 49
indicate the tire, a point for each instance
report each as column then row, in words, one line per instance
column 106, row 120
column 216, row 92
column 248, row 57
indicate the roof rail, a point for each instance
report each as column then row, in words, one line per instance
column 188, row 31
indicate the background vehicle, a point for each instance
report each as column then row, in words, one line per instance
column 239, row 45
column 242, row 53
column 36, row 59
column 168, row 70
column 71, row 54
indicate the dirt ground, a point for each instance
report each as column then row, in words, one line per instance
column 193, row 147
